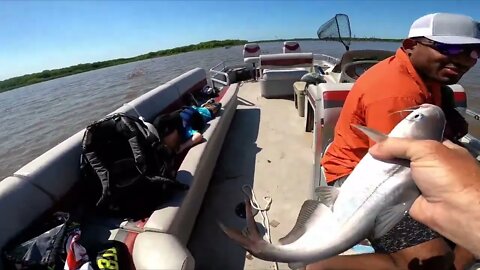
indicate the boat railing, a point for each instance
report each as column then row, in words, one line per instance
column 470, row 141
column 222, row 73
column 323, row 62
column 327, row 58
column 219, row 71
column 473, row 114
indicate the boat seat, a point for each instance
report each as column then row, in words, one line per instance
column 251, row 53
column 278, row 73
column 153, row 250
column 160, row 251
column 149, row 250
column 251, row 50
column 291, row 47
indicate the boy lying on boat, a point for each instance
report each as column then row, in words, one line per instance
column 181, row 129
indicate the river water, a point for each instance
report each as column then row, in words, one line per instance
column 37, row 117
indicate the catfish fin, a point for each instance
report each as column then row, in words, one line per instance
column 327, row 194
column 389, row 217
column 252, row 241
column 307, row 210
column 236, row 235
column 296, row 266
column 374, row 135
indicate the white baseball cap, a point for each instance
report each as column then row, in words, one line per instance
column 447, row 28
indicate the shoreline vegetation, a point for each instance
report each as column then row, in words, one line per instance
column 46, row 75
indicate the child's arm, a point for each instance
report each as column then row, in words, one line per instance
column 196, row 138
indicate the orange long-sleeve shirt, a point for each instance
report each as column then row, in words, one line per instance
column 389, row 86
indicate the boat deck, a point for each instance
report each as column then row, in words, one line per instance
column 266, row 147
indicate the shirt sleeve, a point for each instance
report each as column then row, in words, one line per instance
column 205, row 113
column 189, row 132
column 384, row 115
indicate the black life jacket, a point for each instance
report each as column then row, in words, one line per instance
column 126, row 166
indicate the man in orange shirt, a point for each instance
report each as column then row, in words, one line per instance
column 440, row 48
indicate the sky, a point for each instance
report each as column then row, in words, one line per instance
column 40, row 35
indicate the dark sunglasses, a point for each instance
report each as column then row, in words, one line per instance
column 453, row 49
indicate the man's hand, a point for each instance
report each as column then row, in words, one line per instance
column 449, row 179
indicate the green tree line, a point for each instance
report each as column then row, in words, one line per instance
column 46, row 75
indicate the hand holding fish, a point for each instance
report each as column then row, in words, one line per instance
column 449, row 179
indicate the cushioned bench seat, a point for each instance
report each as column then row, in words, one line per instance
column 20, row 204
column 280, row 71
column 195, row 170
column 284, row 74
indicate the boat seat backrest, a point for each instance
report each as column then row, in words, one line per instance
column 190, row 82
column 169, row 96
column 333, row 97
column 459, row 95
column 291, row 47
column 20, row 204
column 251, row 50
column 361, row 55
column 329, row 99
column 286, row 61
column 352, row 71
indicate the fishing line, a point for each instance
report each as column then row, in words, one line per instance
column 248, row 191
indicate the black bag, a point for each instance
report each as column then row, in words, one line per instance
column 127, row 166
column 456, row 126
column 46, row 250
